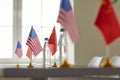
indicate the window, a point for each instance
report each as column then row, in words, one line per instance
column 6, row 22
column 39, row 14
column 16, row 20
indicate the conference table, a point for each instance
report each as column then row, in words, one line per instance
column 81, row 72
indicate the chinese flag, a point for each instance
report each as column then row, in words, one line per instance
column 53, row 42
column 107, row 22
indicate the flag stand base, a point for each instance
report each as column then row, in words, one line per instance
column 30, row 65
column 17, row 65
column 106, row 63
column 65, row 64
column 54, row 65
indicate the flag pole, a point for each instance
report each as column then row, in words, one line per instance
column 30, row 64
column 17, row 65
column 107, row 51
column 60, row 50
column 44, row 57
column 107, row 62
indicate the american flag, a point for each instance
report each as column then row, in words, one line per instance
column 34, row 43
column 18, row 50
column 67, row 19
column 28, row 52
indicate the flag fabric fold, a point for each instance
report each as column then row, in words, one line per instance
column 18, row 50
column 52, row 42
column 33, row 42
column 28, row 52
column 107, row 22
column 68, row 20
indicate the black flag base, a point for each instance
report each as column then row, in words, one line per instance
column 30, row 65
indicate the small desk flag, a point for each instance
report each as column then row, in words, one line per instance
column 18, row 50
column 53, row 42
column 107, row 22
column 33, row 42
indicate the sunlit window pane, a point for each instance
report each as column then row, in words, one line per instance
column 6, row 20
column 42, row 14
column 31, row 12
column 50, row 12
column 6, row 42
column 6, row 12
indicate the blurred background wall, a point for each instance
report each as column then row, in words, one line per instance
column 91, row 42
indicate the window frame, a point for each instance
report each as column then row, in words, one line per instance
column 17, row 33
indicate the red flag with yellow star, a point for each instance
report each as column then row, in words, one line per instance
column 53, row 42
column 107, row 22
